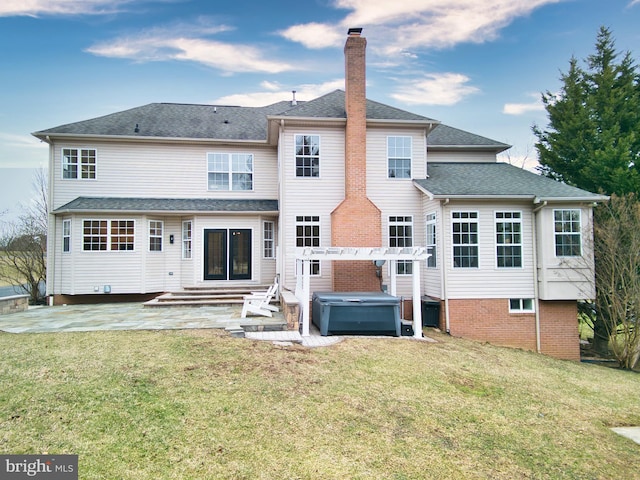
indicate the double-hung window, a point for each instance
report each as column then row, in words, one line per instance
column 78, row 163
column 268, row 239
column 155, row 235
column 431, row 240
column 465, row 239
column 307, row 155
column 568, row 236
column 308, row 235
column 399, row 157
column 508, row 239
column 401, row 235
column 230, row 171
column 186, row 239
column 66, row 235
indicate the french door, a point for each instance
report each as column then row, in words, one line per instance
column 227, row 254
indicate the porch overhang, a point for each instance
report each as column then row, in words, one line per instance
column 305, row 255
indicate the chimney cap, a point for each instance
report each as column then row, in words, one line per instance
column 355, row 31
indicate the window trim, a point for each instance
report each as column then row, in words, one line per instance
column 230, row 172
column 310, row 223
column 405, row 265
column 78, row 163
column 521, row 308
column 454, row 245
column 495, row 232
column 295, row 156
column 389, row 157
column 269, row 244
column 558, row 234
column 108, row 235
column 187, row 240
column 66, row 235
column 432, row 261
column 156, row 235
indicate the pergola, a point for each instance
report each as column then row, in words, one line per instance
column 304, row 256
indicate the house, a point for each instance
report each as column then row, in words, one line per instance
column 164, row 196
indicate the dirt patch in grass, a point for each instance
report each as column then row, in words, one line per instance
column 200, row 404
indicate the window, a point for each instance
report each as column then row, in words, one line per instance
column 465, row 239
column 79, row 163
column 155, row 235
column 66, row 235
column 186, row 240
column 94, row 235
column 431, row 240
column 521, row 305
column 567, row 233
column 401, row 235
column 308, row 235
column 399, row 157
column 307, row 155
column 508, row 239
column 230, row 171
column 268, row 239
column 121, row 234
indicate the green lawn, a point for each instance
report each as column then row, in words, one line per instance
column 203, row 405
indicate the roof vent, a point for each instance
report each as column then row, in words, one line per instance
column 215, row 109
column 137, row 129
column 294, row 102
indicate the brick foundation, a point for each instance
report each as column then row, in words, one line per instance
column 559, row 329
column 489, row 320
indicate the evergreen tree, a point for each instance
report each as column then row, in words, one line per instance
column 593, row 137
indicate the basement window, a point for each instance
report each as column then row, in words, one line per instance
column 521, row 305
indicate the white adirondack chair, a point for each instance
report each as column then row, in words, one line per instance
column 258, row 303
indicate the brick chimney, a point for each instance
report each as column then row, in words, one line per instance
column 356, row 222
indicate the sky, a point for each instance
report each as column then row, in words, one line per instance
column 477, row 65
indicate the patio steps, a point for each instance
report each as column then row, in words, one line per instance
column 206, row 296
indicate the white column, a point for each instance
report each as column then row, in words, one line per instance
column 393, row 270
column 306, row 273
column 417, row 301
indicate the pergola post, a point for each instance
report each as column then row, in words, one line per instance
column 306, row 277
column 417, row 307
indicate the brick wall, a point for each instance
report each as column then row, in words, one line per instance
column 559, row 329
column 489, row 320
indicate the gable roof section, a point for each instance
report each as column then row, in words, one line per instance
column 165, row 205
column 496, row 180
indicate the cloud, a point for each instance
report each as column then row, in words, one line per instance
column 417, row 24
column 260, row 99
column 181, row 42
column 522, row 108
column 435, row 89
column 35, row 8
column 315, row 35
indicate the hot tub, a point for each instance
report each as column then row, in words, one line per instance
column 364, row 313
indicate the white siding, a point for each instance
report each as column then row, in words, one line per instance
column 310, row 196
column 432, row 277
column 565, row 278
column 159, row 170
column 488, row 281
column 453, row 155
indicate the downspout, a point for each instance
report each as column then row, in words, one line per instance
column 51, row 227
column 443, row 269
column 280, row 261
column 536, row 293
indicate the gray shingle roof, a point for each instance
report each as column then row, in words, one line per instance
column 113, row 204
column 495, row 180
column 446, row 136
